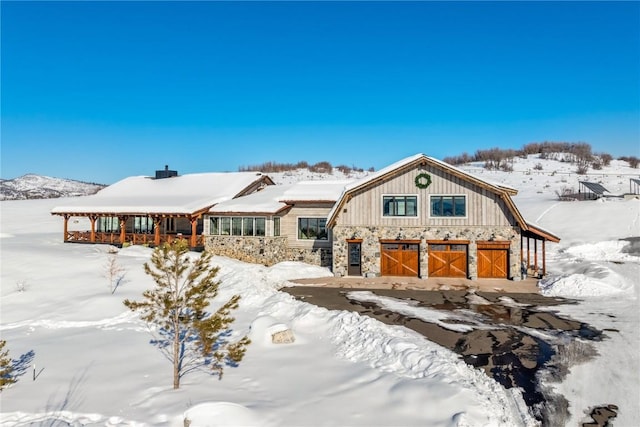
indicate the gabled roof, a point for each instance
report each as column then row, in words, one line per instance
column 503, row 191
column 409, row 163
column 275, row 198
column 180, row 195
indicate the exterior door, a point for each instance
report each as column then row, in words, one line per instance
column 447, row 260
column 355, row 267
column 400, row 259
column 493, row 260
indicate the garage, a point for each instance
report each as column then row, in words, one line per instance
column 493, row 260
column 448, row 259
column 400, row 259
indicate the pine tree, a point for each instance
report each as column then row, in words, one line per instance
column 6, row 367
column 190, row 337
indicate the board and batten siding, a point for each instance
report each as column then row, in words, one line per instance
column 484, row 208
column 289, row 224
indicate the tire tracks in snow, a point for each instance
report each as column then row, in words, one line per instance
column 546, row 211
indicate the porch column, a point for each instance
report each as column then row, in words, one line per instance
column 156, row 229
column 521, row 251
column 123, row 223
column 194, row 237
column 544, row 259
column 66, row 228
column 528, row 255
column 535, row 253
column 93, row 218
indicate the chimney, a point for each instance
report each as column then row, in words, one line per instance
column 166, row 173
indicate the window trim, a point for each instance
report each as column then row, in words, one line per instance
column 326, row 229
column 277, row 226
column 405, row 195
column 466, row 207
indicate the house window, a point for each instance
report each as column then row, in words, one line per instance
column 400, row 206
column 170, row 225
column 108, row 224
column 142, row 224
column 261, row 227
column 247, row 226
column 237, row 226
column 312, row 229
column 276, row 226
column 455, row 206
column 225, row 226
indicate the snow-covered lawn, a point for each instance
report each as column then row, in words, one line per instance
column 94, row 364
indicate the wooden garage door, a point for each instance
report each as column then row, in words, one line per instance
column 400, row 259
column 493, row 260
column 447, row 260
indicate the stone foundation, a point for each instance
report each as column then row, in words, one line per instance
column 265, row 250
column 272, row 250
column 371, row 236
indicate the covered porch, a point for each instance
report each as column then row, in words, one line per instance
column 135, row 229
column 533, row 251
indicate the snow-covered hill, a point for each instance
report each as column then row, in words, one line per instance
column 296, row 175
column 546, row 176
column 32, row 186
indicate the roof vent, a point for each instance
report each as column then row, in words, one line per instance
column 166, row 173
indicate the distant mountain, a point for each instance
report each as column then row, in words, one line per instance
column 33, row 186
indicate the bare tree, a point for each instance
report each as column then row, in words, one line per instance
column 633, row 162
column 565, row 193
column 113, row 271
column 606, row 158
column 189, row 336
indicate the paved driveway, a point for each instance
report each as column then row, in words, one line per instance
column 414, row 283
column 504, row 344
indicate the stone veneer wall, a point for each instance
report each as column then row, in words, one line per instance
column 265, row 250
column 371, row 236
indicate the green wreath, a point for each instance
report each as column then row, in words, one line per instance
column 423, row 180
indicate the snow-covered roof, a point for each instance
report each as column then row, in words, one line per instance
column 183, row 194
column 544, row 233
column 274, row 198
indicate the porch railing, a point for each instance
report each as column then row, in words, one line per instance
column 130, row 238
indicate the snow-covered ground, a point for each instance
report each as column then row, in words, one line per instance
column 94, row 364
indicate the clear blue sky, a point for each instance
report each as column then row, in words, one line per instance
column 101, row 91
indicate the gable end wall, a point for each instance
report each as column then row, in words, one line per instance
column 484, row 208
